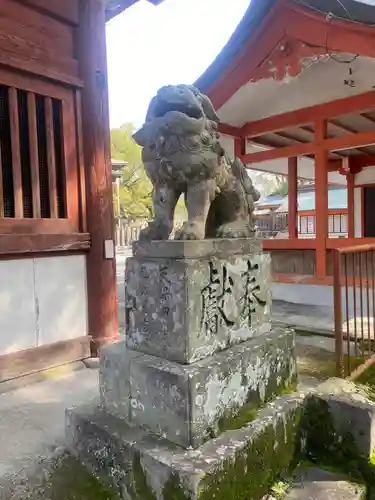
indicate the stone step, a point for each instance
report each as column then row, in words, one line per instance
column 240, row 463
column 317, row 484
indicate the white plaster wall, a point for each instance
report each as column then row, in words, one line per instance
column 228, row 144
column 269, row 97
column 366, row 176
column 42, row 301
column 17, row 306
column 358, row 212
column 318, row 295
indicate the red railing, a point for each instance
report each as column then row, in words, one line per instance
column 354, row 308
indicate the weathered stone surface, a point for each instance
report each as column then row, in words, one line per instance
column 188, row 404
column 186, row 309
column 317, row 484
column 182, row 155
column 185, row 249
column 114, row 378
column 346, row 415
column 241, row 463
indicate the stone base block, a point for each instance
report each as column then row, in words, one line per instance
column 189, row 404
column 242, row 463
column 340, row 421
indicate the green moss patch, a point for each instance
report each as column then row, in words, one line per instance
column 326, row 449
column 367, row 378
column 64, row 479
column 254, row 469
column 320, row 363
column 238, row 418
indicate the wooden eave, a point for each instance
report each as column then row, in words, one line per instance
column 115, row 7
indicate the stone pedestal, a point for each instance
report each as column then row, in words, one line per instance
column 186, row 300
column 199, row 360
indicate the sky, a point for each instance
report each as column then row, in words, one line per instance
column 172, row 43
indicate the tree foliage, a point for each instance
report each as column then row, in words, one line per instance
column 135, row 187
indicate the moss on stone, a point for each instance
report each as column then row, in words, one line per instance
column 64, row 478
column 325, row 448
column 236, row 418
column 139, row 489
column 367, row 378
column 173, row 490
column 253, row 470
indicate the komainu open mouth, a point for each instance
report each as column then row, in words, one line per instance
column 163, row 107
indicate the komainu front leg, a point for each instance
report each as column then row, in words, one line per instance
column 164, row 202
column 199, row 197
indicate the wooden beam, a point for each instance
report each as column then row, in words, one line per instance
column 349, row 130
column 350, row 141
column 290, row 137
column 101, row 271
column 26, row 244
column 283, row 152
column 368, row 117
column 292, row 197
column 321, row 198
column 21, row 363
column 34, row 153
column 226, row 129
column 16, row 152
column 306, row 116
column 331, row 144
column 350, row 191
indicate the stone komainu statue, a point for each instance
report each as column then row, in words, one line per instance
column 182, row 154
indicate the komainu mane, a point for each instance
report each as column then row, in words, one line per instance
column 182, row 154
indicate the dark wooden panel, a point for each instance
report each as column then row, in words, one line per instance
column 70, row 162
column 31, row 83
column 36, row 42
column 21, row 244
column 66, row 10
column 1, row 186
column 32, row 360
column 299, row 262
column 81, row 161
column 50, row 144
column 22, row 20
column 35, row 226
column 353, row 264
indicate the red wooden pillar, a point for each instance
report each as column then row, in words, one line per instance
column 239, row 147
column 350, row 188
column 321, row 199
column 101, row 263
column 292, row 197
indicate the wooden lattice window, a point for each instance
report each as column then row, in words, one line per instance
column 38, row 155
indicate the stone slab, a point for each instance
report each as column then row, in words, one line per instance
column 318, row 484
column 188, row 404
column 186, row 309
column 180, row 249
column 350, row 413
column 231, row 466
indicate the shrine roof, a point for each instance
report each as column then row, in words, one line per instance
column 358, row 11
column 337, row 200
column 115, row 7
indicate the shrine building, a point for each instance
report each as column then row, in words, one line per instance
column 57, row 265
column 295, row 91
